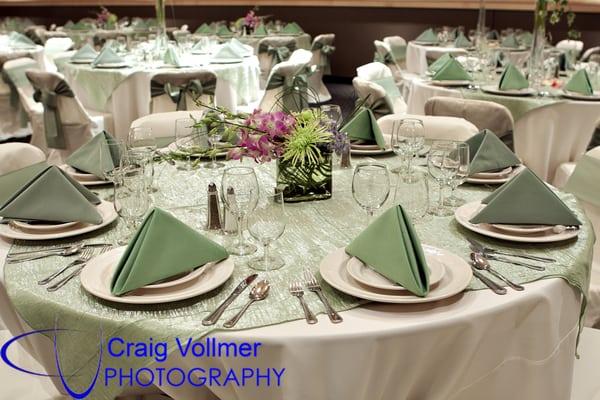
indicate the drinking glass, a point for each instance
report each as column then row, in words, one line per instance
column 266, row 224
column 239, row 190
column 370, row 186
column 407, row 139
column 188, row 139
column 213, row 139
column 442, row 166
column 413, row 195
column 141, row 136
column 131, row 198
column 333, row 112
column 462, row 173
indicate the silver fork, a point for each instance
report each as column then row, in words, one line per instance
column 84, row 256
column 313, row 285
column 75, row 273
column 296, row 291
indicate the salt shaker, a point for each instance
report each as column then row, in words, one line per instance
column 229, row 218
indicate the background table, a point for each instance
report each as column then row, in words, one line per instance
column 474, row 345
column 303, row 41
column 416, row 55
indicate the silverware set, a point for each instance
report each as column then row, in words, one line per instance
column 480, row 261
column 63, row 251
column 260, row 291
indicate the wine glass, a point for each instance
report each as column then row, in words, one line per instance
column 266, row 224
column 214, row 138
column 413, row 194
column 462, row 173
column 442, row 166
column 333, row 112
column 239, row 190
column 131, row 198
column 370, row 186
column 407, row 139
column 141, row 136
column 189, row 139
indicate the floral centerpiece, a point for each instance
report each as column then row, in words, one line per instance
column 105, row 19
column 301, row 143
column 248, row 23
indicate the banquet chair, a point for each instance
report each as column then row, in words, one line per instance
column 179, row 91
column 163, row 124
column 434, row 127
column 322, row 48
column 284, row 88
column 67, row 125
column 571, row 45
column 271, row 51
column 383, row 54
column 483, row 114
column 10, row 108
column 16, row 155
column 549, row 136
column 397, row 46
column 380, row 74
column 374, row 96
column 52, row 47
column 589, row 54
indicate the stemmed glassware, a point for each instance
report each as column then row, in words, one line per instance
column 333, row 112
column 266, row 224
column 239, row 190
column 442, row 164
column 462, row 173
column 142, row 146
column 109, row 157
column 413, row 195
column 370, row 186
column 407, row 139
column 214, row 138
column 188, row 138
column 131, row 198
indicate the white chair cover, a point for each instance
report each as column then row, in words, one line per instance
column 315, row 81
column 483, row 114
column 435, row 128
column 271, row 98
column 589, row 53
column 575, row 45
column 396, row 43
column 546, row 137
column 375, row 71
column 384, row 51
column 52, row 47
column 163, row 124
column 266, row 61
column 163, row 103
column 15, row 156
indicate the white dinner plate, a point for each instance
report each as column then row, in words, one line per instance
column 450, row 83
column 366, row 275
column 83, row 178
column 81, row 61
column 42, row 226
column 578, row 96
column 226, row 61
column 499, row 180
column 179, row 279
column 105, row 208
column 112, row 65
column 523, row 229
column 493, row 175
column 464, row 213
column 96, row 277
column 456, row 278
column 493, row 89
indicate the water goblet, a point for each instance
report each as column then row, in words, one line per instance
column 442, row 166
column 214, row 138
column 407, row 139
column 370, row 186
column 413, row 195
column 131, row 198
column 189, row 139
column 462, row 173
column 266, row 224
column 333, row 113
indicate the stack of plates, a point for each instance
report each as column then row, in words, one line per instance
column 83, row 177
column 97, row 275
column 449, row 275
column 515, row 233
column 495, row 177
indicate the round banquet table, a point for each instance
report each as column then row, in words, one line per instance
column 416, row 55
column 125, row 92
column 303, row 41
column 474, row 345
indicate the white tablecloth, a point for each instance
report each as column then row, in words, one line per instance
column 126, row 92
column 416, row 55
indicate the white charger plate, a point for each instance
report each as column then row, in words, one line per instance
column 83, row 178
column 81, row 61
column 578, row 96
column 457, row 277
column 366, row 275
column 523, row 229
column 42, row 227
column 226, row 61
column 450, row 83
column 493, row 89
column 112, row 65
column 96, row 277
column 105, row 208
column 493, row 175
column 465, row 212
column 495, row 181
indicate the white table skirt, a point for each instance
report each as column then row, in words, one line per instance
column 474, row 346
column 416, row 56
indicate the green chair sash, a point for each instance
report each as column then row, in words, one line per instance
column 177, row 94
column 52, row 123
column 278, row 53
column 326, row 52
column 294, row 92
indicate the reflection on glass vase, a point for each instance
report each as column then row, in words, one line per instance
column 306, row 181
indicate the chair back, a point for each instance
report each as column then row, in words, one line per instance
column 434, row 128
column 373, row 96
column 571, row 45
column 14, row 156
column 549, row 136
column 322, row 48
column 163, row 124
column 383, row 54
column 271, row 51
column 397, row 45
column 587, row 55
column 287, row 87
column 178, row 91
column 67, row 125
column 52, row 47
column 482, row 114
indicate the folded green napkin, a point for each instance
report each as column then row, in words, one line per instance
column 170, row 57
column 452, row 70
column 162, row 247
column 223, row 31
column 510, row 42
column 525, row 200
column 488, row 153
column 240, row 47
column 14, row 180
column 292, row 28
column 261, row 30
column 363, row 126
column 580, row 83
column 85, row 53
column 462, row 41
column 526, row 39
column 96, row 156
column 227, row 52
column 48, row 194
column 440, row 62
column 107, row 56
column 204, row 29
column 389, row 85
column 17, row 39
column 512, row 79
column 390, row 246
column 198, row 46
column 428, row 36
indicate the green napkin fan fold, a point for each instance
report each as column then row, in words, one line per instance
column 452, row 70
column 85, row 53
column 428, row 36
column 97, row 156
column 363, row 126
column 439, row 63
column 580, row 83
column 512, row 79
column 488, row 153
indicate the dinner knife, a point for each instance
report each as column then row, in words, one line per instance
column 214, row 316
